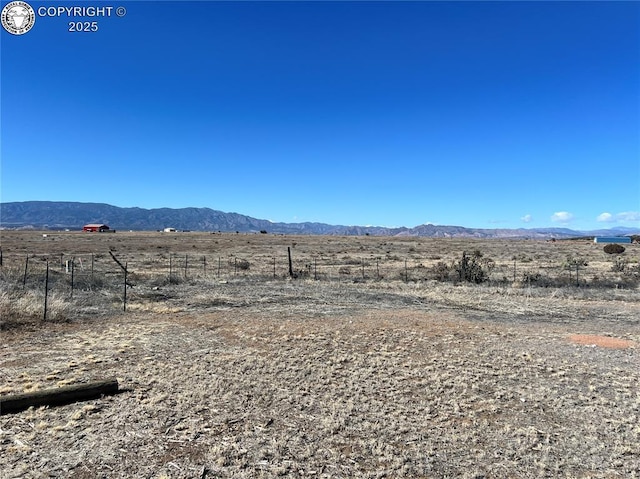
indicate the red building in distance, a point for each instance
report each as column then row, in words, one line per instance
column 96, row 228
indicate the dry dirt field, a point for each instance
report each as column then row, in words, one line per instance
column 364, row 366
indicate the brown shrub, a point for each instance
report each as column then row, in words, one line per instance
column 614, row 249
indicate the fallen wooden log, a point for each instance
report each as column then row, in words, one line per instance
column 56, row 397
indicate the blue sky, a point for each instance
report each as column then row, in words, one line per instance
column 480, row 114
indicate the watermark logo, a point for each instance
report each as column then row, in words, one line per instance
column 18, row 17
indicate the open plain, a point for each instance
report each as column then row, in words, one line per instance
column 371, row 357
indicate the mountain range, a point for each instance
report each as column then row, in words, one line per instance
column 60, row 215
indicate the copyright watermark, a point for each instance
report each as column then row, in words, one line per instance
column 18, row 17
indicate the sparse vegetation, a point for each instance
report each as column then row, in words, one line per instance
column 619, row 265
column 99, row 280
column 243, row 265
column 441, row 271
column 327, row 375
column 474, row 268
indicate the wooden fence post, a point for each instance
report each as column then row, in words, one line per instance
column 186, row 265
column 290, row 262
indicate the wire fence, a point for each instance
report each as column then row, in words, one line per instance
column 66, row 275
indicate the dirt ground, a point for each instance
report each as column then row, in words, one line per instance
column 258, row 377
column 318, row 386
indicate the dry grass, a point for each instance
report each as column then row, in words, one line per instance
column 18, row 308
column 250, row 376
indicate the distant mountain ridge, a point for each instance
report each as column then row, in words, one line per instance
column 56, row 215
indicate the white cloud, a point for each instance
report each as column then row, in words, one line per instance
column 526, row 218
column 623, row 217
column 561, row 217
column 605, row 217
column 628, row 216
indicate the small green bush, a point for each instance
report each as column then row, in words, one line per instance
column 474, row 269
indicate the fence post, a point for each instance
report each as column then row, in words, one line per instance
column 235, row 265
column 315, row 269
column 204, row 266
column 170, row 266
column 24, row 278
column 92, row 261
column 73, row 268
column 274, row 266
column 363, row 268
column 406, row 273
column 219, row 261
column 46, row 291
column 0, row 256
column 290, row 263
column 186, row 265
column 124, row 307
